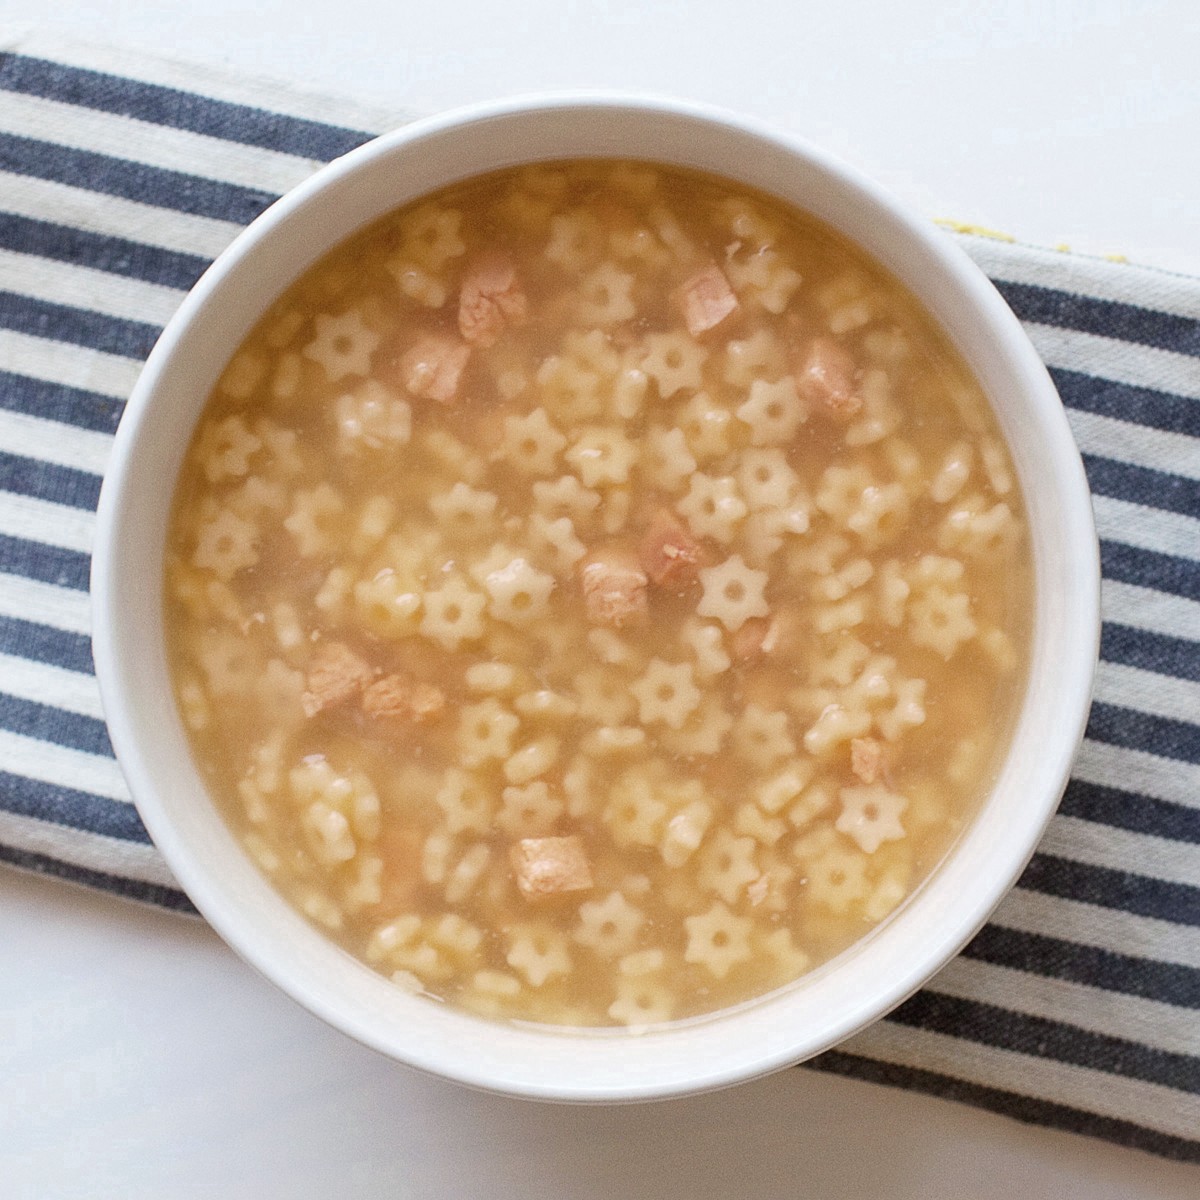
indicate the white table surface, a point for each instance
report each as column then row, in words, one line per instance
column 140, row 1058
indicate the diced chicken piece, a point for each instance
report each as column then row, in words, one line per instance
column 336, row 676
column 668, row 552
column 827, row 377
column 866, row 758
column 490, row 298
column 706, row 300
column 433, row 367
column 614, row 587
column 757, row 636
column 397, row 697
column 547, row 866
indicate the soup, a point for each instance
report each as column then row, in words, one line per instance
column 597, row 594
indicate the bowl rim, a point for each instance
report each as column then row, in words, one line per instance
column 1078, row 656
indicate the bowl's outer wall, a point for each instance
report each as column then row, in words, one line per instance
column 151, row 745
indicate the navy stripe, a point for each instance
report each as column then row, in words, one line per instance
column 76, row 326
column 58, row 402
column 131, row 889
column 1150, row 651
column 132, row 180
column 1038, row 1037
column 1069, row 310
column 1134, row 730
column 1150, row 569
column 161, row 105
column 1054, row 958
column 55, row 725
column 1137, row 894
column 1129, row 810
column 1141, row 485
column 1125, row 402
column 42, row 643
column 48, row 564
column 98, row 252
column 48, row 481
column 76, row 810
column 1027, row 1109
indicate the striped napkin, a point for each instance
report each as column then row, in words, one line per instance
column 1077, row 1007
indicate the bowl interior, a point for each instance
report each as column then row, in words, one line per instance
column 818, row 1010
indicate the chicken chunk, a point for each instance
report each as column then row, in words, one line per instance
column 757, row 636
column 336, row 676
column 433, row 367
column 397, row 697
column 706, row 299
column 866, row 758
column 490, row 298
column 827, row 378
column 614, row 587
column 547, row 866
column 668, row 553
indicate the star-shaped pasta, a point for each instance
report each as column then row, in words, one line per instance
column 225, row 448
column 733, row 593
column 703, row 733
column 431, row 236
column 908, row 711
column 530, row 810
column 416, row 282
column 518, row 592
column 762, row 355
column 709, row 427
column 609, row 926
column 666, row 693
column 464, row 509
column 531, row 443
column 713, row 507
column 837, row 879
column 343, row 345
column 389, row 603
column 606, row 296
column 636, row 813
column 225, row 545
column 766, row 479
column 486, row 731
column 728, row 864
column 941, row 619
column 717, row 939
column 774, row 411
column 666, row 460
column 467, row 805
column 539, row 953
column 373, row 416
column 576, row 240
column 766, row 278
column 565, row 496
column 309, row 520
column 762, row 736
column 453, row 613
column 871, row 815
column 602, row 454
column 556, row 541
column 673, row 361
column 640, row 1002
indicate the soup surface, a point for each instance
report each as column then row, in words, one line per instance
column 597, row 594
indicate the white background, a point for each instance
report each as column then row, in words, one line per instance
column 139, row 1058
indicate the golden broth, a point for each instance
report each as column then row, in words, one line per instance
column 597, row 594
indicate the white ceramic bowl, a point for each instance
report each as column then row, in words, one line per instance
column 817, row 1011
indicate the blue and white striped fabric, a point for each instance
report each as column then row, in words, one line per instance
column 1077, row 1007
